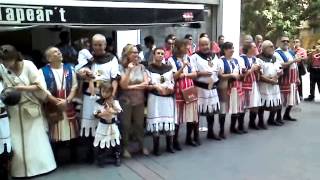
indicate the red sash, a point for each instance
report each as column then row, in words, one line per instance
column 248, row 80
column 287, row 79
column 182, row 84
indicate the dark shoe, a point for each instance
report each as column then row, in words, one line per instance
column 233, row 128
column 262, row 125
column 274, row 123
column 213, row 136
column 222, row 135
column 309, row 99
column 189, row 141
column 289, row 118
column 156, row 146
column 235, row 131
column 253, row 126
column 169, row 143
column 176, row 145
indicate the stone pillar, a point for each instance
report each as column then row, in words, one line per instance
column 228, row 21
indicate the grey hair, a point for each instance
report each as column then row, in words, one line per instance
column 99, row 37
column 265, row 44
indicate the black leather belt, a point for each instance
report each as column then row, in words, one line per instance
column 204, row 85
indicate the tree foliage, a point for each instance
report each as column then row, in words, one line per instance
column 272, row 18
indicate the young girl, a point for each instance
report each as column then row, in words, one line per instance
column 107, row 134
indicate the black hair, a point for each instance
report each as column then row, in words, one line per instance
column 187, row 36
column 225, row 46
column 221, row 36
column 157, row 48
column 203, row 35
column 9, row 52
column 246, row 47
column 149, row 39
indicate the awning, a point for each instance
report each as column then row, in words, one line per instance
column 96, row 13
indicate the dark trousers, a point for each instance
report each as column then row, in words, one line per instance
column 313, row 82
column 103, row 154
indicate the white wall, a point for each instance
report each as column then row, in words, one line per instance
column 229, row 13
column 127, row 37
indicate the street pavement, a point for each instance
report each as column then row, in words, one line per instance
column 290, row 152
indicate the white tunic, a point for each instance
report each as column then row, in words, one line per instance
column 270, row 93
column 160, row 110
column 5, row 140
column 291, row 98
column 102, row 72
column 107, row 135
column 253, row 97
column 184, row 112
column 234, row 103
column 32, row 151
column 208, row 100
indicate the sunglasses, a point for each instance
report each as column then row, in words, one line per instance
column 285, row 41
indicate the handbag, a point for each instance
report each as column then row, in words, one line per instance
column 302, row 69
column 190, row 94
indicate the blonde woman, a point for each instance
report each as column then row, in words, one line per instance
column 134, row 81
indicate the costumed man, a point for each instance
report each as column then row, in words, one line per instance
column 269, row 87
column 61, row 82
column 314, row 69
column 290, row 78
column 105, row 68
column 206, row 65
column 250, row 85
column 230, row 87
column 5, row 141
column 299, row 51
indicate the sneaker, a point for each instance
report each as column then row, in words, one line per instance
column 126, row 154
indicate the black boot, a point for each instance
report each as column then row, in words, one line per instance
column 210, row 134
column 169, row 141
column 271, row 120
column 196, row 133
column 287, row 116
column 241, row 123
column 117, row 155
column 233, row 128
column 252, row 121
column 310, row 98
column 279, row 117
column 90, row 150
column 176, row 144
column 156, row 140
column 73, row 150
column 4, row 166
column 189, row 141
column 261, row 123
column 117, row 159
column 222, row 121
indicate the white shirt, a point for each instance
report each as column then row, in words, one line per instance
column 84, row 57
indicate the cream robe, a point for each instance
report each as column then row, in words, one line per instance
column 32, row 153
